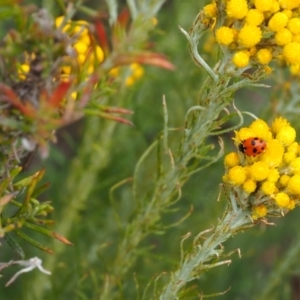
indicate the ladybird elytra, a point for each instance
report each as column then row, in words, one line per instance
column 253, row 146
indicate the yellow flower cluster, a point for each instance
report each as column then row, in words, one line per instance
column 87, row 53
column 258, row 31
column 268, row 183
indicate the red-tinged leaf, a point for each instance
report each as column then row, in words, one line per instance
column 61, row 238
column 117, row 110
column 59, row 93
column 102, row 37
column 148, row 58
column 124, row 17
column 9, row 96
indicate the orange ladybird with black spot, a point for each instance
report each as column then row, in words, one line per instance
column 253, row 146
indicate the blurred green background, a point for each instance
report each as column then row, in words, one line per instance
column 78, row 271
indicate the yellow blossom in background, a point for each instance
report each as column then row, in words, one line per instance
column 258, row 31
column 271, row 179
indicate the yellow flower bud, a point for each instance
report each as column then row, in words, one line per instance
column 249, row 186
column 237, row 175
column 284, row 180
column 278, row 123
column 274, row 153
column 259, row 171
column 291, row 53
column 268, row 187
column 288, row 157
column 259, row 212
column 278, row 21
column 295, row 165
column 282, row 200
column 263, row 5
column 241, row 59
column 249, row 36
column 293, row 147
column 273, row 175
column 254, row 17
column 286, row 135
column 283, row 37
column 261, row 129
column 210, row 10
column 232, row 159
column 264, row 56
column 294, row 25
column 293, row 186
column 237, row 8
column 224, row 35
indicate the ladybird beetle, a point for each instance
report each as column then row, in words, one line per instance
column 253, row 146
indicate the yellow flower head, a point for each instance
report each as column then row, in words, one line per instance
column 273, row 175
column 268, row 187
column 249, row 36
column 232, row 159
column 291, row 53
column 259, row 211
column 288, row 157
column 284, row 180
column 261, row 129
column 254, row 17
column 293, row 186
column 278, row 123
column 224, row 35
column 274, row 153
column 283, row 37
column 293, row 147
column 242, row 135
column 241, row 59
column 286, row 135
column 294, row 25
column 264, row 56
column 278, row 21
column 294, row 165
column 263, row 5
column 237, row 9
column 282, row 199
column 249, row 186
column 210, row 10
column 259, row 171
column 289, row 4
column 237, row 175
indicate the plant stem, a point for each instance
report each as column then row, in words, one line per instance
column 197, row 262
column 82, row 178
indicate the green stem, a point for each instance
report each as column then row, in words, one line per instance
column 197, row 262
